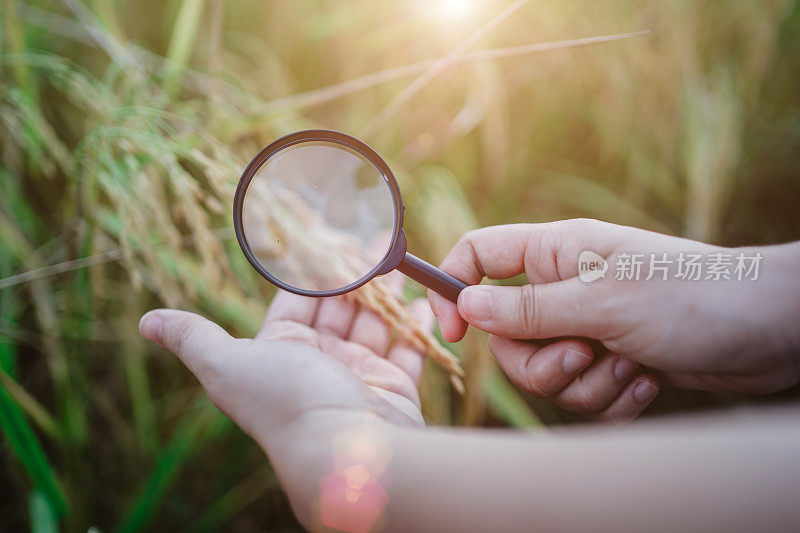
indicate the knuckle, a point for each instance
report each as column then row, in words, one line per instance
column 579, row 229
column 463, row 259
column 468, row 238
column 466, row 244
column 535, row 234
column 582, row 224
column 529, row 381
column 288, row 330
column 537, row 380
column 462, row 244
column 527, row 314
column 460, row 250
column 181, row 341
column 588, row 401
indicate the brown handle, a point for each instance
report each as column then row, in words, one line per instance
column 435, row 279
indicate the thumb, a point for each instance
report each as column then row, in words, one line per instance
column 540, row 311
column 199, row 343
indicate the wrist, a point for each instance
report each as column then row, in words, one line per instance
column 785, row 279
column 777, row 294
column 312, row 455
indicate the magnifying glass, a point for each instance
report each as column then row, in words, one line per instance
column 319, row 213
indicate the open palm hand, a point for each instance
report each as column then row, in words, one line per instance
column 311, row 355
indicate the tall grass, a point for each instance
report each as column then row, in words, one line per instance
column 125, row 125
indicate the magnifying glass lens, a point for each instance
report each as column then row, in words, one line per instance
column 318, row 216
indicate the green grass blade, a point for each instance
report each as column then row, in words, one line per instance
column 142, row 403
column 26, row 447
column 15, row 36
column 43, row 520
column 105, row 11
column 182, row 41
column 20, row 436
column 507, row 403
column 200, row 425
column 27, row 402
column 216, row 514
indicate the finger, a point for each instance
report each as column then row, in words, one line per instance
column 372, row 370
column 597, row 387
column 565, row 308
column 403, row 354
column 368, row 328
column 452, row 326
column 289, row 306
column 546, row 253
column 409, row 407
column 496, row 251
column 630, row 403
column 199, row 343
column 335, row 316
column 542, row 371
column 289, row 330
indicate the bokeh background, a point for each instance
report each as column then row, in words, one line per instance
column 124, row 126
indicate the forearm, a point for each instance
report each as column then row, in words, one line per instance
column 699, row 475
column 772, row 308
column 784, row 278
column 703, row 474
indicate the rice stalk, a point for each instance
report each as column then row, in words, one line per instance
column 713, row 137
column 31, row 406
column 202, row 423
column 181, row 43
column 14, row 34
column 247, row 491
column 42, row 517
column 378, row 297
column 293, row 232
column 379, row 120
column 322, row 95
column 599, row 133
column 445, row 210
column 107, row 15
column 28, row 450
column 47, row 317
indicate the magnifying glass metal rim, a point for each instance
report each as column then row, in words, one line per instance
column 335, row 137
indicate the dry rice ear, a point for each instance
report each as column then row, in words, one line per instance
column 378, row 297
column 287, row 214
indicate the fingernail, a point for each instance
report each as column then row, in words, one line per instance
column 644, row 391
column 574, row 361
column 476, row 303
column 624, row 368
column 441, row 330
column 150, row 327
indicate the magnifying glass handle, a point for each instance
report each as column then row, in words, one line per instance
column 435, row 279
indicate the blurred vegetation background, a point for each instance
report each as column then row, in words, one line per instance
column 124, row 126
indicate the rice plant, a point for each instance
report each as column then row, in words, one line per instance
column 124, row 127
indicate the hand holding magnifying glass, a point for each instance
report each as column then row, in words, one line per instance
column 311, row 209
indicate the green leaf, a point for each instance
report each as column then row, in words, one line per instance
column 28, row 450
column 198, row 427
column 507, row 403
column 43, row 520
column 182, row 41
